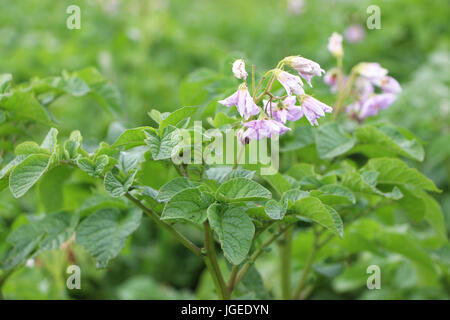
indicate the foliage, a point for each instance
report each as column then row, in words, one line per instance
column 80, row 162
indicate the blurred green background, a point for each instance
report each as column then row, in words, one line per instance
column 151, row 50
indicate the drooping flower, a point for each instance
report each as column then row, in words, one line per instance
column 292, row 84
column 375, row 103
column 306, row 68
column 286, row 110
column 243, row 102
column 263, row 128
column 372, row 71
column 390, row 85
column 239, row 69
column 354, row 33
column 314, row 109
column 335, row 45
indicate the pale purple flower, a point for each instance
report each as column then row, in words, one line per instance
column 259, row 129
column 372, row 71
column 390, row 85
column 292, row 84
column 363, row 88
column 287, row 110
column 314, row 109
column 354, row 33
column 353, row 107
column 306, row 68
column 331, row 79
column 335, row 44
column 239, row 69
column 375, row 103
column 295, row 6
column 243, row 102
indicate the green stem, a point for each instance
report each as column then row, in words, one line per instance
column 285, row 263
column 255, row 255
column 232, row 279
column 343, row 91
column 253, row 79
column 307, row 268
column 239, row 156
column 185, row 241
column 211, row 255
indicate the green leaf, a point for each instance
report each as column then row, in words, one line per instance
column 50, row 140
column 190, row 205
column 25, row 106
column 6, row 170
column 365, row 182
column 235, row 230
column 387, row 140
column 304, row 136
column 278, row 182
column 334, row 194
column 104, row 233
column 301, row 170
column 71, row 148
column 242, row 189
column 27, row 173
column 434, row 215
column 395, row 171
column 101, row 201
column 332, row 141
column 313, row 209
column 132, row 138
column 162, row 147
column 91, row 167
column 175, row 117
column 155, row 115
column 45, row 234
column 167, row 191
column 337, row 220
column 405, row 244
column 51, row 188
column 115, row 187
column 29, row 147
column 14, row 162
column 5, row 80
column 219, row 174
column 274, row 210
column 129, row 160
column 254, row 283
column 221, row 119
column 240, row 173
column 290, row 196
column 106, row 94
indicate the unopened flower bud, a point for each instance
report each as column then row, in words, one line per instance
column 335, row 45
column 239, row 69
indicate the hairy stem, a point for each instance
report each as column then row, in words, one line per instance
column 253, row 79
column 211, row 257
column 307, row 268
column 285, row 263
column 232, row 279
column 255, row 255
column 185, row 241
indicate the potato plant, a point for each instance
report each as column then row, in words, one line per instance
column 341, row 176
